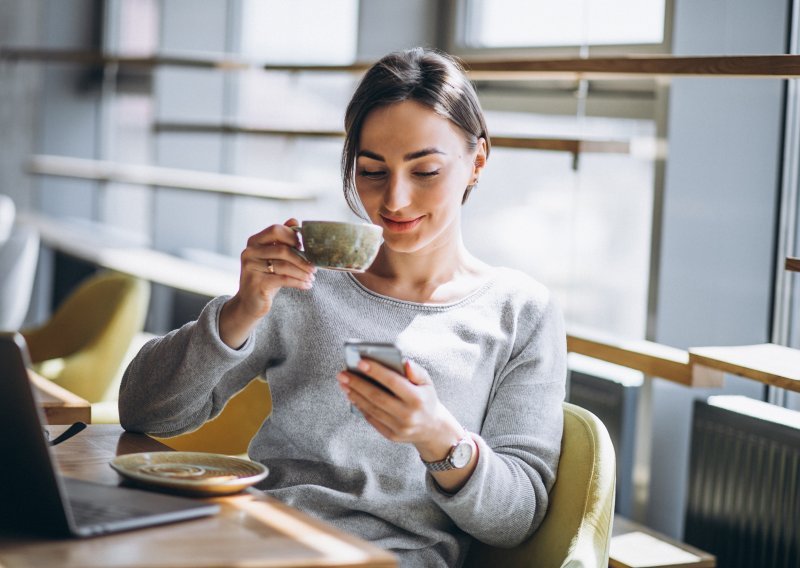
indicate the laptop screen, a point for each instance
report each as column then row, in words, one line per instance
column 29, row 487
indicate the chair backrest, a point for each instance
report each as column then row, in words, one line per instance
column 576, row 532
column 83, row 344
column 19, row 255
column 232, row 429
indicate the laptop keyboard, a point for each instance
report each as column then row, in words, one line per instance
column 90, row 513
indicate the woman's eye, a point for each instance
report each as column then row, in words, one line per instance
column 428, row 174
column 370, row 173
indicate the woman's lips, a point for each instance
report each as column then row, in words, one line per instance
column 400, row 225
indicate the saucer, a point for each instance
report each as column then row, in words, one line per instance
column 194, row 473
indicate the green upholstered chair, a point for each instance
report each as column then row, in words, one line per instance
column 82, row 346
column 576, row 532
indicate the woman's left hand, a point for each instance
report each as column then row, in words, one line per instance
column 411, row 412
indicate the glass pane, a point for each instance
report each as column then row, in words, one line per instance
column 301, row 31
column 583, row 232
column 138, row 27
column 547, row 23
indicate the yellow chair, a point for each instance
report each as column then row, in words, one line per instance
column 576, row 532
column 232, row 429
column 82, row 346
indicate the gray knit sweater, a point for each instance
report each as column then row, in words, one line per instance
column 498, row 362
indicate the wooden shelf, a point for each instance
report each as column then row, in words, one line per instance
column 727, row 66
column 228, row 128
column 741, row 66
column 792, row 264
column 88, row 244
column 574, row 146
column 767, row 363
column 571, row 145
column 699, row 366
column 648, row 357
column 96, row 58
column 170, row 177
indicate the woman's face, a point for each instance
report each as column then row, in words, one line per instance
column 412, row 168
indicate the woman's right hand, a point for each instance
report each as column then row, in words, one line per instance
column 269, row 262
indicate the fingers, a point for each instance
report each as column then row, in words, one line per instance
column 368, row 389
column 385, row 394
column 277, row 259
column 401, row 386
column 416, row 374
column 276, row 234
column 378, row 411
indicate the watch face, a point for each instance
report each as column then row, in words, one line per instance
column 461, row 454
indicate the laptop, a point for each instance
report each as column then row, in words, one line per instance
column 35, row 498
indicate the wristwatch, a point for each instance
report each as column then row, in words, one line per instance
column 458, row 456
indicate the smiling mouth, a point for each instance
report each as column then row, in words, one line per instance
column 400, row 225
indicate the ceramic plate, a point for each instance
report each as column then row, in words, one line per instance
column 195, row 473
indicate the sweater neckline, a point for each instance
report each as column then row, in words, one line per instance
column 474, row 294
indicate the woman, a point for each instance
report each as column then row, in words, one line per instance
column 467, row 444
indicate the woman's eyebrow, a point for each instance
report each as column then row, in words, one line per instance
column 407, row 158
column 421, row 153
column 371, row 155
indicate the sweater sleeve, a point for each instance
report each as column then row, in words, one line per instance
column 519, row 445
column 178, row 381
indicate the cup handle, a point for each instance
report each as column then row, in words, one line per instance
column 297, row 229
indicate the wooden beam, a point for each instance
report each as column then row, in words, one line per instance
column 571, row 145
column 742, row 66
column 228, row 128
column 574, row 146
column 96, row 58
column 792, row 264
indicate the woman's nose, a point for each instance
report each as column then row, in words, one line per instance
column 397, row 194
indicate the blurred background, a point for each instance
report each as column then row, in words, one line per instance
column 654, row 206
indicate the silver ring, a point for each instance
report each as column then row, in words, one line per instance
column 270, row 267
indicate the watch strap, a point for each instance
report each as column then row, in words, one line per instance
column 447, row 463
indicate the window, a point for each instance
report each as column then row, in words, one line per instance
column 290, row 32
column 545, row 23
column 583, row 231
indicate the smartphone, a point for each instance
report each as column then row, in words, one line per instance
column 387, row 354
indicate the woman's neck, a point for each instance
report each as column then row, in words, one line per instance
column 443, row 275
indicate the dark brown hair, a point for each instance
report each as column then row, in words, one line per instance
column 429, row 77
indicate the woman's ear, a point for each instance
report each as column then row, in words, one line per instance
column 480, row 160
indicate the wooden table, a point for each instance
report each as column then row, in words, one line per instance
column 60, row 405
column 635, row 546
column 768, row 363
column 252, row 530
